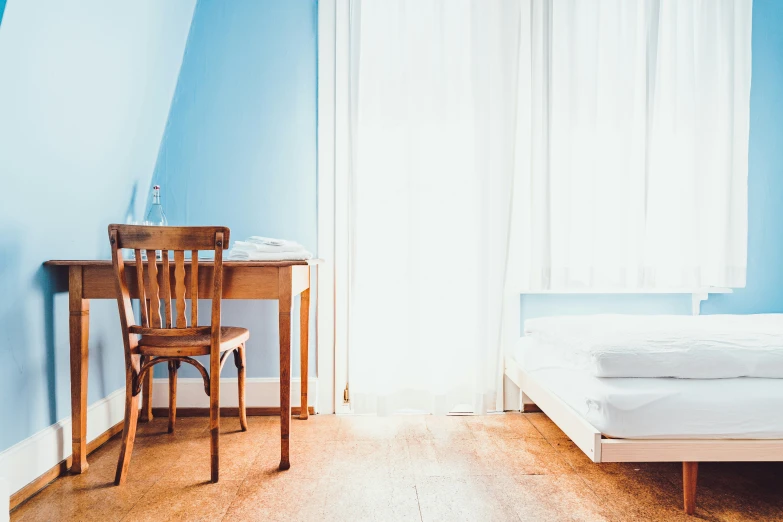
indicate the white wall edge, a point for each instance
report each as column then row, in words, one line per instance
column 30, row 458
column 260, row 392
column 326, row 205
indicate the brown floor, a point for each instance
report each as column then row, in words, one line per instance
column 497, row 467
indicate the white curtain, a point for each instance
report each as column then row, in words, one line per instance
column 633, row 141
column 430, row 194
column 488, row 147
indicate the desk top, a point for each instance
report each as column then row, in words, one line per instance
column 201, row 262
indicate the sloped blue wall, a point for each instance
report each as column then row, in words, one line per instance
column 85, row 90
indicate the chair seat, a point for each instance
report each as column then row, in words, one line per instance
column 230, row 337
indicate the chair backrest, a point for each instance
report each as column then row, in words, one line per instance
column 179, row 240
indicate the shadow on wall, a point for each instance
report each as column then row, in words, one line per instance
column 130, row 211
column 37, row 380
column 17, row 361
column 49, row 283
column 15, row 358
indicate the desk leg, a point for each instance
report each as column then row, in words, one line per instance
column 284, row 301
column 79, row 324
column 304, row 349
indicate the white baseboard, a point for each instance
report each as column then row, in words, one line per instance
column 27, row 460
column 260, row 392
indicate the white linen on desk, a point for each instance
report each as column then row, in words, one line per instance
column 252, row 247
column 272, row 244
column 271, row 241
column 241, row 255
column 258, row 248
column 688, row 347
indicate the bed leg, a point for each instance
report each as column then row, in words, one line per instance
column 690, row 474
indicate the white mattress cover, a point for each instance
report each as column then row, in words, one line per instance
column 695, row 347
column 665, row 408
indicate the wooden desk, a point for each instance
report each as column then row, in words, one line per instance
column 280, row 280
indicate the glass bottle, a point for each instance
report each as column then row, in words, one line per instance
column 155, row 216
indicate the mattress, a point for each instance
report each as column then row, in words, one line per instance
column 691, row 347
column 664, row 408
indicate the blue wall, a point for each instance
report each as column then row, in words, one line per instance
column 240, row 143
column 85, row 89
column 764, row 290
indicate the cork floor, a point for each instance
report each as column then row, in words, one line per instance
column 497, row 467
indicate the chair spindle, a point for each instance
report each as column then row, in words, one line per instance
column 166, row 287
column 154, row 297
column 145, row 322
column 179, row 287
column 194, row 288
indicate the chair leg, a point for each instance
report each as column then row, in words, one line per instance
column 214, row 415
column 128, row 434
column 239, row 361
column 146, row 396
column 173, row 367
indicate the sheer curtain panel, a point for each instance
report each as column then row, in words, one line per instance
column 632, row 146
column 429, row 202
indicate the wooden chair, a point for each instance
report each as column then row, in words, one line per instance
column 174, row 345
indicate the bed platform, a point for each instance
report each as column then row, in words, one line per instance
column 600, row 448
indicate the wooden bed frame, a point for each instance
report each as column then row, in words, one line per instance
column 601, row 449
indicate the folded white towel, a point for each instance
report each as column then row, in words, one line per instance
column 241, row 255
column 270, row 241
column 248, row 246
column 258, row 248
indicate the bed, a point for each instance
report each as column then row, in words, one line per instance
column 684, row 389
